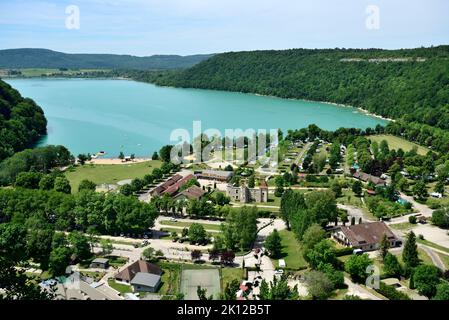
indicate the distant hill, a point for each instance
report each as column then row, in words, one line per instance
column 43, row 58
column 412, row 84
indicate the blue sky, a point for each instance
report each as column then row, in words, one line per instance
column 146, row 27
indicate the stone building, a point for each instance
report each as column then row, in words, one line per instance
column 246, row 195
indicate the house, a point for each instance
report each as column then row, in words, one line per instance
column 128, row 274
column 100, row 263
column 215, row 175
column 365, row 177
column 172, row 185
column 193, row 192
column 146, row 282
column 365, row 236
column 245, row 195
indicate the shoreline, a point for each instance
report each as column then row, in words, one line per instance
column 117, row 161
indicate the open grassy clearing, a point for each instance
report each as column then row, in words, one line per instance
column 207, row 226
column 229, row 274
column 291, row 251
column 110, row 174
column 433, row 245
column 399, row 143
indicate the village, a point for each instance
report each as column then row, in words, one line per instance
column 182, row 257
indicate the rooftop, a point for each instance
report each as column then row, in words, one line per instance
column 146, row 279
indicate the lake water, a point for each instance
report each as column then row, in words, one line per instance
column 119, row 115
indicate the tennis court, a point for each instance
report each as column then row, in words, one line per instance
column 206, row 278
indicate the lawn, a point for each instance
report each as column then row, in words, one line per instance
column 116, row 261
column 207, row 226
column 433, row 245
column 122, row 288
column 399, row 143
column 229, row 274
column 291, row 252
column 444, row 258
column 110, row 174
column 403, row 226
column 170, row 278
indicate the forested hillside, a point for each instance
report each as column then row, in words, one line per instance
column 22, row 121
column 42, row 58
column 413, row 84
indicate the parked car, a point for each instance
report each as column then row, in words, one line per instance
column 173, row 220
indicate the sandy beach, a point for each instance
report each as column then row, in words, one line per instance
column 117, row 161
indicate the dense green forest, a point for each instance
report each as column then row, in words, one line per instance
column 43, row 58
column 22, row 121
column 412, row 84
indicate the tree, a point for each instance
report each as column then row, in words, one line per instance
column 440, row 217
column 80, row 245
column 357, row 188
column 357, row 266
column 197, row 233
column 39, row 245
column 126, row 190
column 155, row 156
column 279, row 181
column 214, row 255
column 227, row 257
column 273, row 244
column 410, row 252
column 230, row 291
column 121, row 155
column 87, row 185
column 165, row 153
column 251, row 182
column 442, row 292
column 29, row 180
column 196, row 255
column 47, row 182
column 313, row 235
column 336, row 188
column 384, row 246
column 420, row 190
column 149, row 254
column 392, row 268
column 426, row 279
column 59, row 260
column 323, row 252
column 318, row 285
column 202, row 294
column 278, row 289
column 62, row 185
column 106, row 246
column 82, row 158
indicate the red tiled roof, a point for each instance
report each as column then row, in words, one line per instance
column 139, row 266
column 367, row 233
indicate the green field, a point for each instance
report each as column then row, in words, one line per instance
column 399, row 143
column 122, row 288
column 229, row 274
column 110, row 174
column 207, row 226
column 291, row 251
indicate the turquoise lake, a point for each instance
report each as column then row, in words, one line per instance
column 118, row 115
